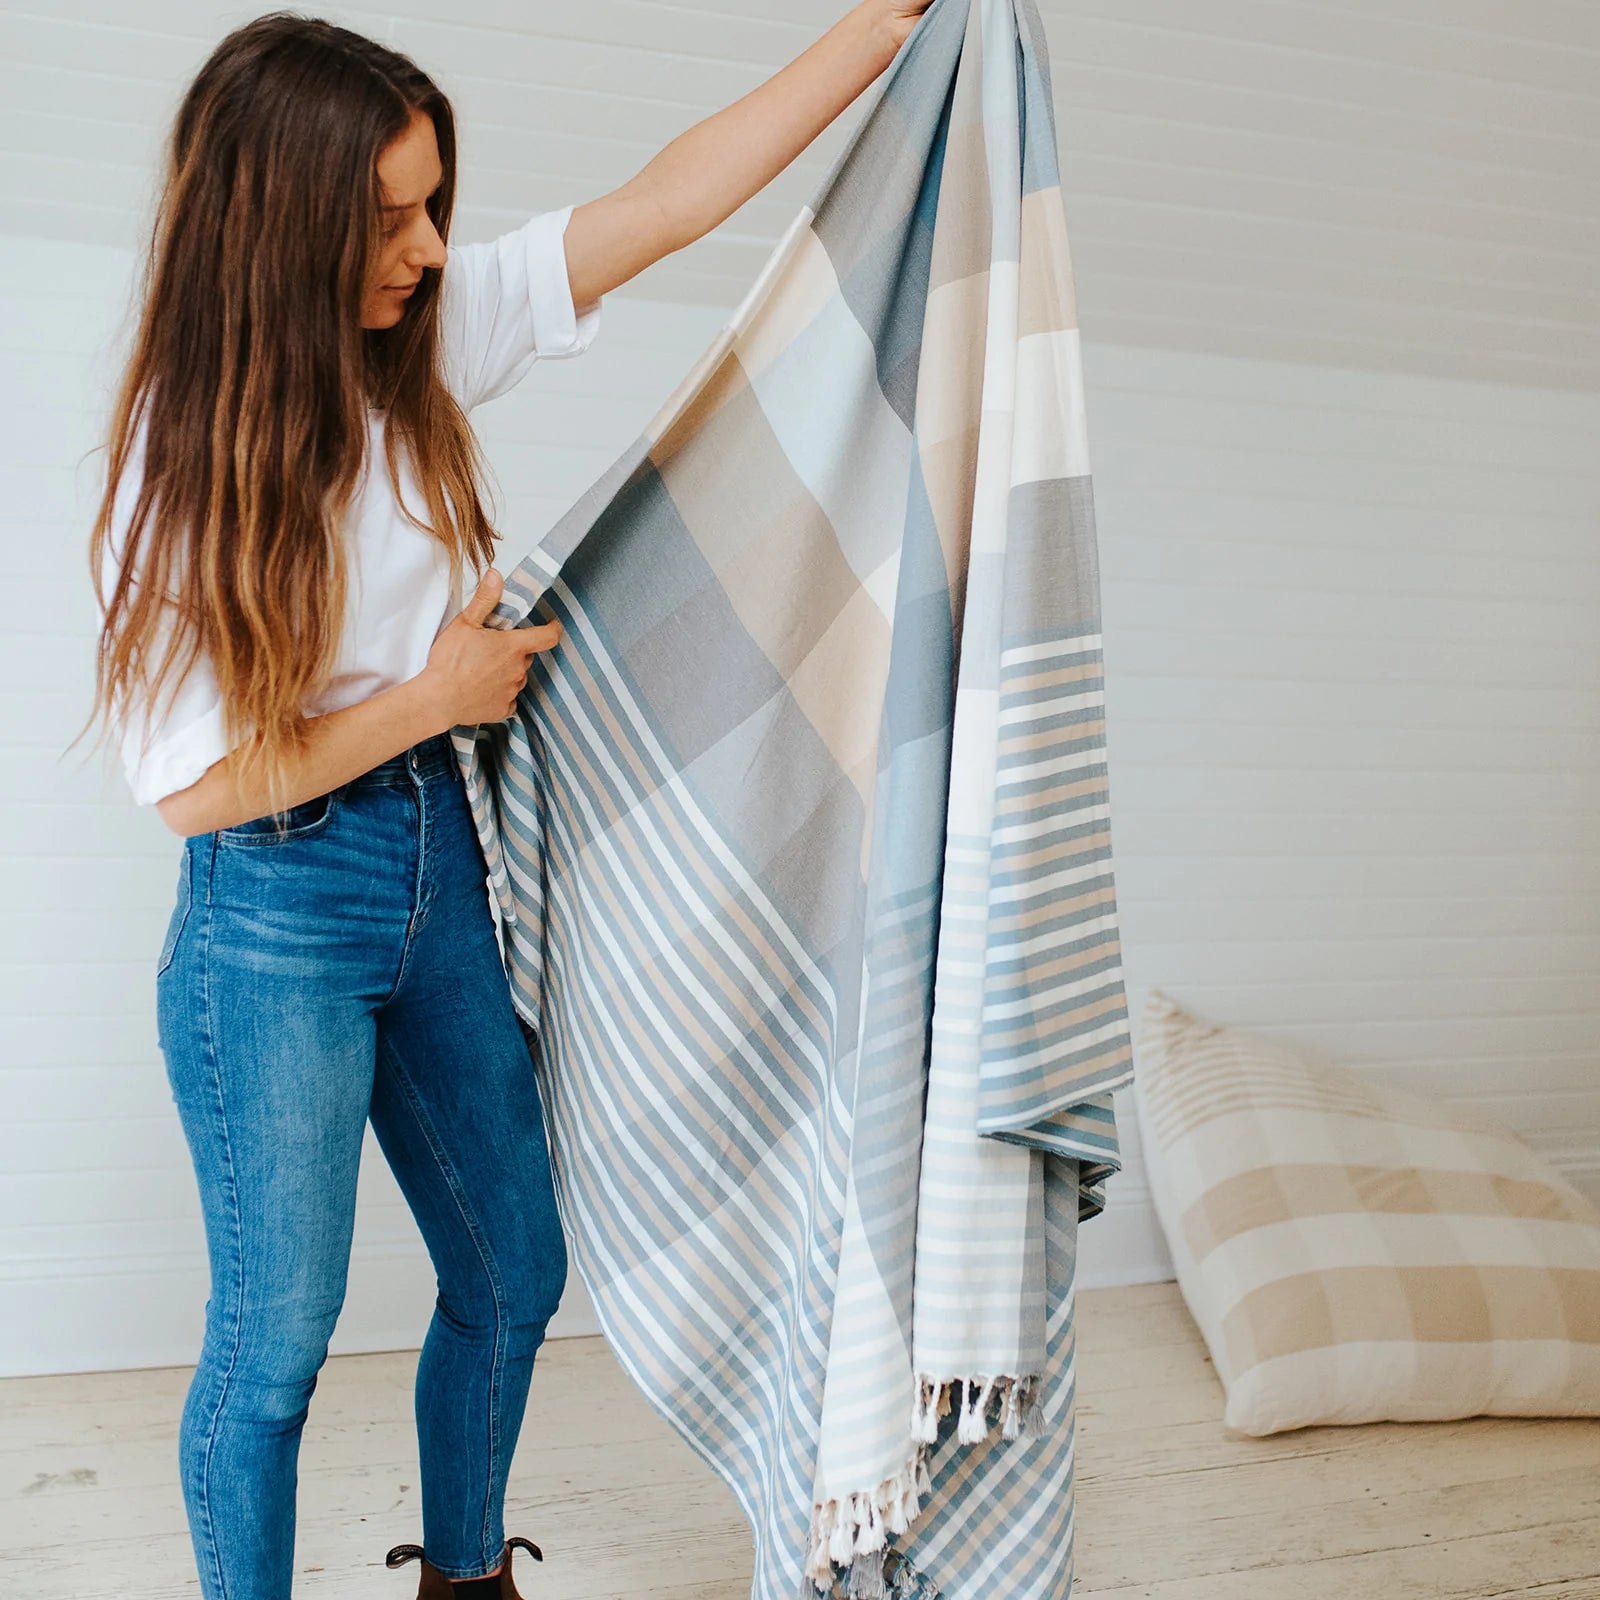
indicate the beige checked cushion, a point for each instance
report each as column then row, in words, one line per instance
column 1355, row 1253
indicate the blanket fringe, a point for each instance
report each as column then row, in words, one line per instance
column 854, row 1530
column 1019, row 1414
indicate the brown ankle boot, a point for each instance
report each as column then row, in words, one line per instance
column 433, row 1585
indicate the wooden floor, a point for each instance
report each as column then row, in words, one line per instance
column 1169, row 1508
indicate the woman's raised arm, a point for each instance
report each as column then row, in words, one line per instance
column 705, row 174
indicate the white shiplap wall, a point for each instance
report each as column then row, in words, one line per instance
column 1354, row 669
column 1399, row 184
column 1353, row 692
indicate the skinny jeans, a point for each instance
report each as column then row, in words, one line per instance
column 340, row 969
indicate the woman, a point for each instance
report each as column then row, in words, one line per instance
column 292, row 487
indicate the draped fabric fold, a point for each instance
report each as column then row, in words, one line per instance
column 800, row 841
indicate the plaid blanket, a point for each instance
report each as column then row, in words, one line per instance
column 800, row 841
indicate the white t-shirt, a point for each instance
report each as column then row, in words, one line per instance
column 503, row 305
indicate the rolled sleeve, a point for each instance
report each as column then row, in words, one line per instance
column 165, row 753
column 188, row 736
column 180, row 754
column 559, row 327
column 507, row 303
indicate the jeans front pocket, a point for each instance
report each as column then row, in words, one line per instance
column 298, row 822
column 180, row 912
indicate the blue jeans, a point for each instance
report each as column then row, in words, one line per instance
column 343, row 969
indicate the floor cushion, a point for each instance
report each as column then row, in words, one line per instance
column 1353, row 1252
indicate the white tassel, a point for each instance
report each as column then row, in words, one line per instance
column 974, row 1426
column 910, row 1505
column 982, row 1424
column 818, row 1565
column 842, row 1539
column 870, row 1535
column 924, row 1417
column 899, row 1503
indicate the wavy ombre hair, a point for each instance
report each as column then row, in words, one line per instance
column 251, row 378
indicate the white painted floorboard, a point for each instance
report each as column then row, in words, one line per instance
column 1169, row 1508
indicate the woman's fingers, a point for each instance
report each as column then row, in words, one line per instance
column 541, row 636
column 522, row 645
column 484, row 598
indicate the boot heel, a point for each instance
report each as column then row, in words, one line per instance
column 433, row 1585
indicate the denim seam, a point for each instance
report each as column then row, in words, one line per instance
column 276, row 835
column 232, row 1194
column 419, row 907
column 486, row 1256
column 169, row 950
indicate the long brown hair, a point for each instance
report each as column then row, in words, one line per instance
column 251, row 379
